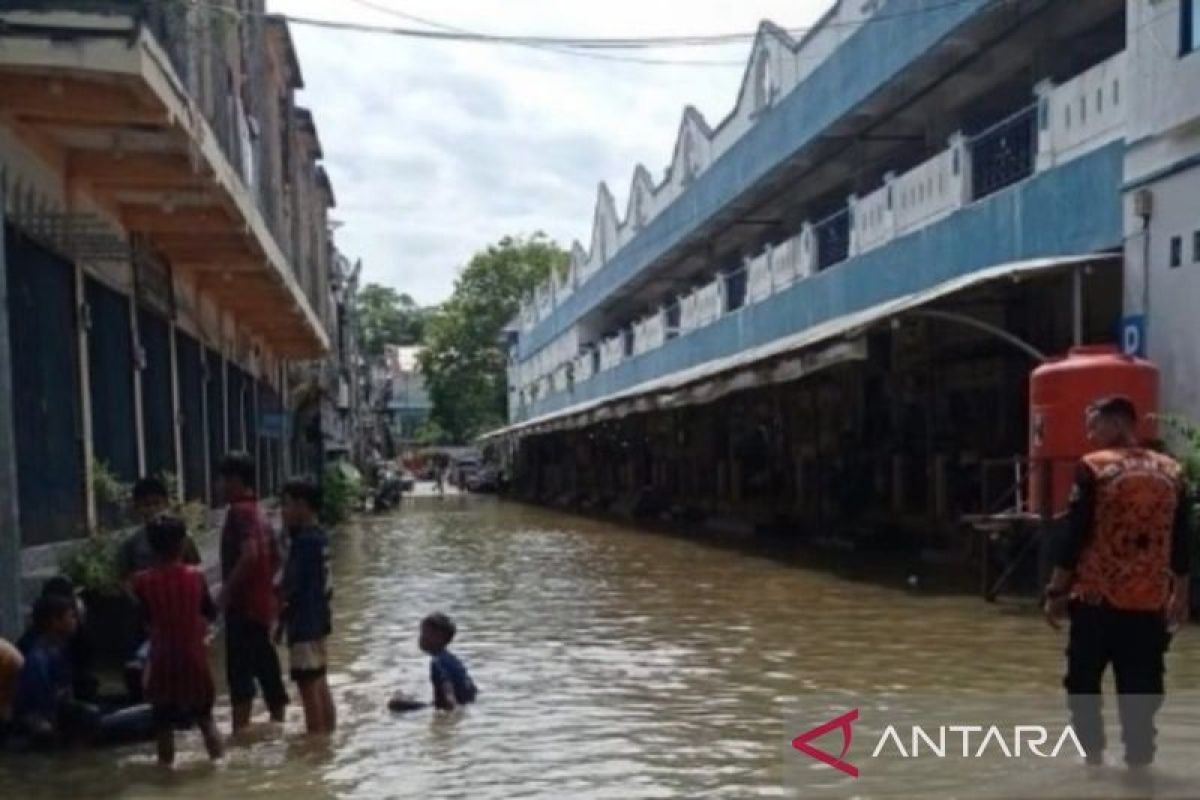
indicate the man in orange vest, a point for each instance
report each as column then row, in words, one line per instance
column 1121, row 577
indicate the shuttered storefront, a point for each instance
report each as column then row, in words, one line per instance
column 191, row 410
column 46, row 406
column 157, row 407
column 110, row 373
column 215, row 387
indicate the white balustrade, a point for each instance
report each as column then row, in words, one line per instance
column 1083, row 114
column 874, row 222
column 929, row 191
column 785, row 264
column 758, row 277
column 612, row 352
column 649, row 333
column 584, row 366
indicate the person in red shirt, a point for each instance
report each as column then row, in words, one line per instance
column 249, row 559
column 178, row 608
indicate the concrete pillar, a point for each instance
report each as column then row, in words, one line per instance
column 139, row 363
column 1044, row 129
column 176, row 414
column 855, row 246
column 960, row 167
column 82, row 325
column 807, row 257
column 10, row 524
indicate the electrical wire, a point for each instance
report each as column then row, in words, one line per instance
column 585, row 47
column 443, row 30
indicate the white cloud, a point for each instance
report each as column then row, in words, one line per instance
column 437, row 149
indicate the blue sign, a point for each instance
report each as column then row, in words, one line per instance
column 273, row 424
column 1133, row 335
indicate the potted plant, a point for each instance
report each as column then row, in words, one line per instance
column 110, row 624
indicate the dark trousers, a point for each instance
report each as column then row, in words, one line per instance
column 1134, row 642
column 250, row 657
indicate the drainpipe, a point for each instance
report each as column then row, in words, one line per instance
column 10, row 527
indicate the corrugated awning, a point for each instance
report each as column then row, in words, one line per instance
column 783, row 360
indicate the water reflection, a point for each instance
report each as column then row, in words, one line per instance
column 612, row 663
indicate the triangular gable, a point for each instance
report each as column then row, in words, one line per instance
column 641, row 192
column 604, row 227
column 691, row 147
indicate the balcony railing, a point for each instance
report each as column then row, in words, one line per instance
column 968, row 169
column 1004, row 154
column 833, row 239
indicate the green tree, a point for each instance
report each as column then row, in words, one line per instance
column 464, row 360
column 386, row 316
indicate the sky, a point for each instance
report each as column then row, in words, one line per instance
column 437, row 149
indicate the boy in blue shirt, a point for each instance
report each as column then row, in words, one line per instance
column 307, row 592
column 46, row 709
column 452, row 686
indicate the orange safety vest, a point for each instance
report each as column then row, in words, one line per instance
column 1126, row 562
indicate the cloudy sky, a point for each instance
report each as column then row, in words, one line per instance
column 437, row 148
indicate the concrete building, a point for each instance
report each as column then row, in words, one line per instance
column 1162, row 194
column 408, row 402
column 828, row 307
column 166, row 254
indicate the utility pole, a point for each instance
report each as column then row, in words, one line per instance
column 10, row 527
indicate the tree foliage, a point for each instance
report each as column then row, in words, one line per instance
column 386, row 316
column 464, row 361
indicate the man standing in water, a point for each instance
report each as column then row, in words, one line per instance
column 249, row 559
column 1122, row 578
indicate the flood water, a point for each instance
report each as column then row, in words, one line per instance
column 612, row 663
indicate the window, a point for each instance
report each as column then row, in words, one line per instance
column 1176, row 251
column 1099, row 101
column 1117, row 92
column 1190, row 28
column 1068, row 107
column 1196, row 247
column 1083, row 111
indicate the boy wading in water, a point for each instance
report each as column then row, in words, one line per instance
column 178, row 607
column 452, row 686
column 307, row 591
column 248, row 562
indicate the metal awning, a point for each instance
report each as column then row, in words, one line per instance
column 785, row 359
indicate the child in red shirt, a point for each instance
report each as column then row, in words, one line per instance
column 178, row 608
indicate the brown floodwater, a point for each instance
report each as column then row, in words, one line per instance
column 612, row 663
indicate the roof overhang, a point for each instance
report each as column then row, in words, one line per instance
column 96, row 97
column 786, row 359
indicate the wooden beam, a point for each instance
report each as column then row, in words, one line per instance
column 37, row 140
column 57, row 100
column 197, row 221
column 136, row 170
column 216, row 266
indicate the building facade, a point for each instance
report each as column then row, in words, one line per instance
column 828, row 307
column 166, row 253
column 1162, row 193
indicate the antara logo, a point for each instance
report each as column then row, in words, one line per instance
column 944, row 741
column 842, row 723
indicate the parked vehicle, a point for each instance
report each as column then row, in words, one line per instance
column 484, row 480
column 389, row 492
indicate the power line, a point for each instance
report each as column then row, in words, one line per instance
column 443, row 30
column 569, row 45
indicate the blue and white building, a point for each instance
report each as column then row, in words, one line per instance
column 909, row 177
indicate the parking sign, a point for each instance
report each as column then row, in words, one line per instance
column 1133, row 335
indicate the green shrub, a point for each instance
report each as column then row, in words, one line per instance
column 92, row 565
column 341, row 492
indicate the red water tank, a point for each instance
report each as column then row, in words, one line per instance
column 1060, row 392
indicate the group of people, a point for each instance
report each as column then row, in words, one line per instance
column 49, row 697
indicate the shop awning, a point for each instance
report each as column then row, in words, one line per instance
column 786, row 359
